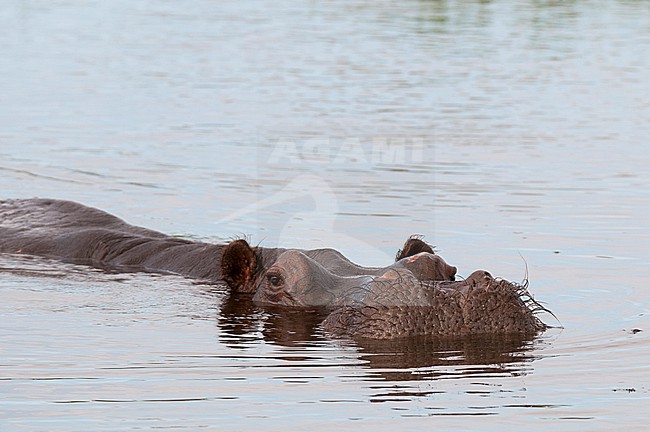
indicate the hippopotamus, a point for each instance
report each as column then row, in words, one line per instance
column 415, row 295
column 72, row 232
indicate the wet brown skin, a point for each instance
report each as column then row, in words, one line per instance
column 72, row 232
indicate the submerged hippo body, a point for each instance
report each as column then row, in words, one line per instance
column 76, row 233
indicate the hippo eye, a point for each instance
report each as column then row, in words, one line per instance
column 274, row 286
column 274, row 279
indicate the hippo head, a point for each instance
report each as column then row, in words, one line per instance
column 246, row 269
column 396, row 303
column 417, row 295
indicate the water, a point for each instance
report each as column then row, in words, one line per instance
column 499, row 130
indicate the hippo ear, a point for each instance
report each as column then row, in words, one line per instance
column 413, row 246
column 238, row 265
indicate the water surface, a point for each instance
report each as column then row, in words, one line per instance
column 500, row 131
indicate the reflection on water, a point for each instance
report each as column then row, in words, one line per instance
column 418, row 358
column 94, row 341
column 495, row 128
column 242, row 324
column 106, row 333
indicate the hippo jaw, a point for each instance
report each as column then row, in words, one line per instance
column 478, row 305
